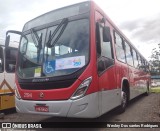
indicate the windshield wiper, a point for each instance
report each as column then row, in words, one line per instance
column 39, row 39
column 39, row 44
column 63, row 24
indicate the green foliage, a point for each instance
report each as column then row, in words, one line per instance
column 155, row 61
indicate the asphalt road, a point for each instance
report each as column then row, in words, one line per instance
column 141, row 109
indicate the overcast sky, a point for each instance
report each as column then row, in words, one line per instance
column 139, row 20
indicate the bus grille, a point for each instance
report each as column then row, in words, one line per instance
column 47, row 85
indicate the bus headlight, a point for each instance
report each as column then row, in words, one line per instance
column 16, row 91
column 81, row 90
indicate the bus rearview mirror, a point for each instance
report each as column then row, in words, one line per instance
column 11, row 33
column 106, row 34
column 7, row 41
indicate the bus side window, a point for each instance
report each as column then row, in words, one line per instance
column 129, row 54
column 140, row 62
column 10, row 64
column 105, row 47
column 1, row 60
column 104, row 50
column 120, row 48
column 135, row 59
column 98, row 40
column 143, row 65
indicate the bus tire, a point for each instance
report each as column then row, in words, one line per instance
column 124, row 100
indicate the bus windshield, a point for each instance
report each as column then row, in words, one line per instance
column 45, row 55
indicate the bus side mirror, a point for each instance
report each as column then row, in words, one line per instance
column 7, row 41
column 13, row 34
column 106, row 34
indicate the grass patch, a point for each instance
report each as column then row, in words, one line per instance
column 155, row 89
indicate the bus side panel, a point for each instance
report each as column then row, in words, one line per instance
column 1, row 90
column 110, row 93
column 7, row 101
column 6, row 88
column 140, row 83
column 133, row 89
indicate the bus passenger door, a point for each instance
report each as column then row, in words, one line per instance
column 106, row 67
column 10, row 65
column 10, row 54
column 1, row 74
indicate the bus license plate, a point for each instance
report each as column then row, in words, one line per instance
column 41, row 108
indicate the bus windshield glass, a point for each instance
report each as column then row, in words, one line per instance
column 54, row 51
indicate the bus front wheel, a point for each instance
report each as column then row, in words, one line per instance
column 123, row 102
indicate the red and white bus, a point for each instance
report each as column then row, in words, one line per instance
column 74, row 62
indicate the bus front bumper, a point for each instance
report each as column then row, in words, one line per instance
column 85, row 107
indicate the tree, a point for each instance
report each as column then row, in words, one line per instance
column 155, row 61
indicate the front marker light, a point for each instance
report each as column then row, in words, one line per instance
column 81, row 90
column 16, row 91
